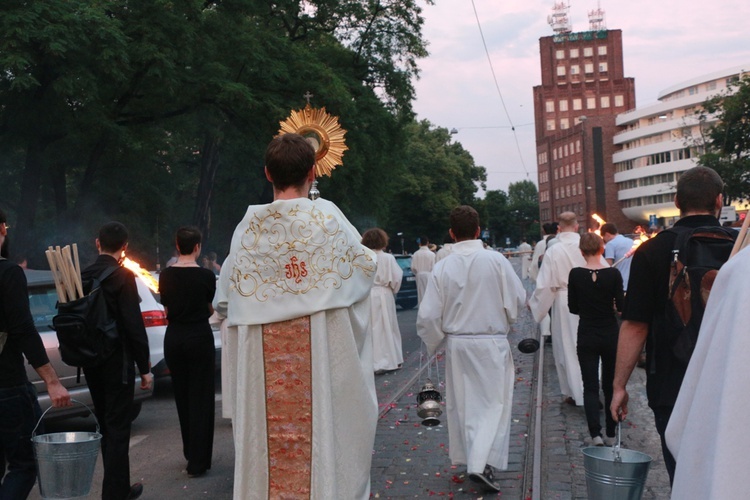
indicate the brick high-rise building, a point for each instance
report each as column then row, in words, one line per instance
column 583, row 89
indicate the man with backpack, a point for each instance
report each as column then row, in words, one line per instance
column 112, row 381
column 648, row 313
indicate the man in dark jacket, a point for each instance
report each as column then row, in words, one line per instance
column 18, row 404
column 111, row 384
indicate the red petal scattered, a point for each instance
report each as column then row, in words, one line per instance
column 457, row 479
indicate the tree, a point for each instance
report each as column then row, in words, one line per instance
column 727, row 142
column 523, row 200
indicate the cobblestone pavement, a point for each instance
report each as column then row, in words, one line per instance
column 411, row 460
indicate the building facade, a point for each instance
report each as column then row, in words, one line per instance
column 658, row 142
column 583, row 89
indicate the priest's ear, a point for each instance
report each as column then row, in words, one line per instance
column 268, row 175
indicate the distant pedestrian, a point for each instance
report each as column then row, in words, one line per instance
column 387, row 353
column 187, row 291
column 594, row 291
column 422, row 263
column 470, row 302
column 445, row 249
column 617, row 247
column 525, row 251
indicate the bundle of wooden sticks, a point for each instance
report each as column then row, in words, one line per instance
column 66, row 270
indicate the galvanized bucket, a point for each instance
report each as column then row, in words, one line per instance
column 614, row 473
column 66, row 461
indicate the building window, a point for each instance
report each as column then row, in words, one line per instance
column 619, row 101
column 554, row 156
column 576, row 104
column 550, row 106
column 589, row 68
column 564, row 124
column 602, row 67
column 560, row 54
column 711, row 86
column 692, row 90
column 580, row 187
column 561, row 71
column 550, row 124
column 573, row 190
column 565, row 150
column 591, row 103
column 602, row 50
column 557, row 193
column 605, row 101
column 580, row 208
column 574, row 69
column 573, row 52
column 567, row 191
column 578, row 147
column 567, row 170
column 563, row 105
column 588, row 51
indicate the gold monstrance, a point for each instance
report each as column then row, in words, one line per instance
column 324, row 133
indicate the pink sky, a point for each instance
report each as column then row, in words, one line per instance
column 665, row 42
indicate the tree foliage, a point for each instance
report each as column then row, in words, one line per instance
column 727, row 141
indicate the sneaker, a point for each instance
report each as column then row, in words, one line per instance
column 485, row 479
column 136, row 491
column 597, row 441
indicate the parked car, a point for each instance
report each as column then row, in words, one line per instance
column 43, row 299
column 42, row 302
column 407, row 295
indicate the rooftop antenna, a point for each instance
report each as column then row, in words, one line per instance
column 559, row 19
column 596, row 18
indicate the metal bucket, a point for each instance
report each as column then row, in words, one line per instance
column 614, row 473
column 66, row 461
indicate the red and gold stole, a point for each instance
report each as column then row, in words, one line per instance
column 288, row 369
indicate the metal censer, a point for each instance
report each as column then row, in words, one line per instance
column 429, row 409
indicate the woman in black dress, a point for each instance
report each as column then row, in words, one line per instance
column 187, row 291
column 594, row 291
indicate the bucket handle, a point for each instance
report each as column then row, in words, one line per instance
column 616, row 445
column 33, row 433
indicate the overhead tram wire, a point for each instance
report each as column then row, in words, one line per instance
column 497, row 86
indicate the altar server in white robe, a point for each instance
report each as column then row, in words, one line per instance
column 422, row 263
column 295, row 290
column 550, row 229
column 387, row 350
column 473, row 297
column 552, row 292
column 525, row 251
column 705, row 432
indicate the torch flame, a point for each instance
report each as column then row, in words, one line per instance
column 600, row 221
column 144, row 275
column 642, row 236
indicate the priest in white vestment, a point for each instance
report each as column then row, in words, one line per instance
column 387, row 353
column 705, row 432
column 295, row 291
column 473, row 297
column 525, row 251
column 552, row 292
column 422, row 263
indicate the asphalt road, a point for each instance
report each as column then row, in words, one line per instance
column 155, row 446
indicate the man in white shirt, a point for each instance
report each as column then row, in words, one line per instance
column 422, row 263
column 552, row 291
column 472, row 298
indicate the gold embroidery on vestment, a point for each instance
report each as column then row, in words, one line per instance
column 295, row 256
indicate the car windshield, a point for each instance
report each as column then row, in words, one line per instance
column 404, row 262
column 42, row 302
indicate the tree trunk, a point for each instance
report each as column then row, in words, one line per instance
column 209, row 166
column 89, row 175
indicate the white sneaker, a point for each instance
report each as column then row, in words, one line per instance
column 597, row 441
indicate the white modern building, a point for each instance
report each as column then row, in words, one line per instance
column 659, row 142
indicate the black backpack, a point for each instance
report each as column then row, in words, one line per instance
column 86, row 331
column 697, row 255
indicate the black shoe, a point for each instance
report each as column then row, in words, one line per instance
column 485, row 479
column 136, row 491
column 197, row 474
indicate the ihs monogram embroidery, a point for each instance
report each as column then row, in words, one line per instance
column 296, row 271
column 296, row 251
